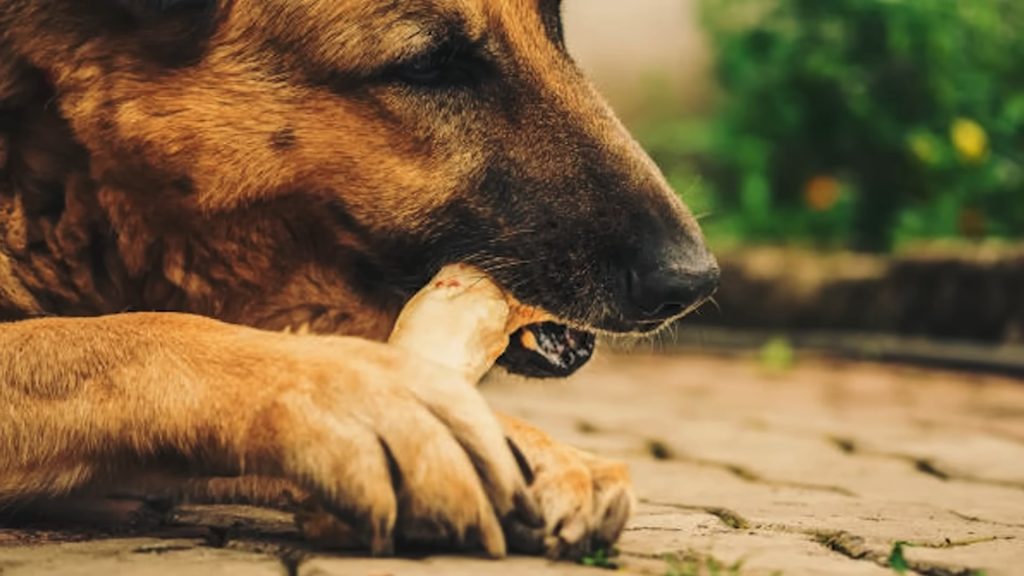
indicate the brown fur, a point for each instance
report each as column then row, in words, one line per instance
column 270, row 164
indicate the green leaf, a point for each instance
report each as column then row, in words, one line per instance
column 897, row 561
column 778, row 355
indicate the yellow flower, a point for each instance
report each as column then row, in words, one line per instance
column 822, row 193
column 970, row 140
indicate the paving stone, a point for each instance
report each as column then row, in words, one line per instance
column 447, row 566
column 1001, row 557
column 811, row 460
column 138, row 556
column 817, row 470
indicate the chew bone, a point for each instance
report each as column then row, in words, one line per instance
column 462, row 320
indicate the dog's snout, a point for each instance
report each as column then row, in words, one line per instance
column 672, row 283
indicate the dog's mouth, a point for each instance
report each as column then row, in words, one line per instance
column 548, row 350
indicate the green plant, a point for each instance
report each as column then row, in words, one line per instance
column 860, row 122
column 778, row 355
column 897, row 561
column 700, row 565
column 601, row 558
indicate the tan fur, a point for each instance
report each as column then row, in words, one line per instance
column 282, row 180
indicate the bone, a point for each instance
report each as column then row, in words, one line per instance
column 462, row 319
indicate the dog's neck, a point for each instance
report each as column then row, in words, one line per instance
column 32, row 189
column 72, row 246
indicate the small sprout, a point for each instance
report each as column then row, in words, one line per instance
column 677, row 566
column 693, row 564
column 778, row 355
column 586, row 427
column 601, row 558
column 897, row 561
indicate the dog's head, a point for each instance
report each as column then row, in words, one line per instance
column 435, row 131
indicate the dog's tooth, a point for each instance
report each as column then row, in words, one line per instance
column 529, row 341
column 303, row 329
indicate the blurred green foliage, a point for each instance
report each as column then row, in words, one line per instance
column 778, row 355
column 862, row 123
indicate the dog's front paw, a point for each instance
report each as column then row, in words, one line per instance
column 392, row 447
column 585, row 500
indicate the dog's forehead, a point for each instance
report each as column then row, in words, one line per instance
column 357, row 32
column 375, row 15
column 471, row 18
column 365, row 34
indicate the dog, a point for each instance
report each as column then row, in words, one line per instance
column 212, row 211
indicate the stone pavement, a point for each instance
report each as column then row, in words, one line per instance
column 821, row 469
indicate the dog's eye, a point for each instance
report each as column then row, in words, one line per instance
column 423, row 70
column 440, row 68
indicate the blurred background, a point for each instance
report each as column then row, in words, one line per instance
column 858, row 165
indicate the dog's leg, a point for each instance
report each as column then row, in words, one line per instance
column 367, row 430
column 245, row 490
column 462, row 320
column 586, row 500
column 316, row 525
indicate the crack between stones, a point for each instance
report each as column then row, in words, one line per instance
column 849, row 545
column 947, row 544
column 973, row 427
column 654, row 529
column 926, row 466
column 691, row 558
column 729, row 518
column 661, row 452
column 752, row 477
column 977, row 520
column 855, row 548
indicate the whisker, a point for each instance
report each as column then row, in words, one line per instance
column 714, row 303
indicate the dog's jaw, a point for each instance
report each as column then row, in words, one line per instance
column 548, row 350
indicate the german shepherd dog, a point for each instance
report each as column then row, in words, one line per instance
column 211, row 212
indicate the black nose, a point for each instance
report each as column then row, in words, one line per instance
column 670, row 286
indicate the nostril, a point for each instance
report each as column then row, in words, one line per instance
column 666, row 293
column 670, row 310
column 647, row 295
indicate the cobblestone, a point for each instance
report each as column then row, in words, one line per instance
column 818, row 470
